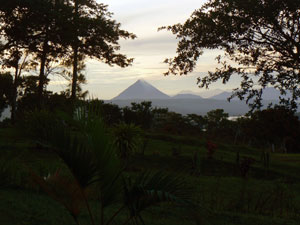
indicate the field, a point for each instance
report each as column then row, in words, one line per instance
column 225, row 191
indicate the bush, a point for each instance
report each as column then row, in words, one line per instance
column 38, row 123
column 127, row 139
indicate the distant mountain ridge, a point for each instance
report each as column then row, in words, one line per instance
column 269, row 94
column 141, row 89
column 187, row 102
column 207, row 93
column 223, row 96
column 186, row 96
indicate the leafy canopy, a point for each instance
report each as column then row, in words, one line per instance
column 260, row 39
column 52, row 31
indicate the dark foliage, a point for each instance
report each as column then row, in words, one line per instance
column 260, row 39
column 140, row 114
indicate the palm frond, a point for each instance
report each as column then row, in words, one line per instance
column 126, row 139
column 88, row 152
column 108, row 165
column 152, row 188
column 74, row 153
column 64, row 190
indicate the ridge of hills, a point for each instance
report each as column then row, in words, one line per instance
column 187, row 102
column 141, row 89
column 269, row 93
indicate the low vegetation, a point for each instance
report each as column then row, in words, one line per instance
column 98, row 168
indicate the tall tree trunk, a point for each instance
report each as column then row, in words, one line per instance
column 18, row 71
column 75, row 73
column 14, row 95
column 75, row 49
column 42, row 74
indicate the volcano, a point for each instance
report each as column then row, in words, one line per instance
column 141, row 89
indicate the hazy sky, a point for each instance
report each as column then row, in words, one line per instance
column 151, row 47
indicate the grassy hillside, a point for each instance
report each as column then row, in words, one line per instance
column 265, row 196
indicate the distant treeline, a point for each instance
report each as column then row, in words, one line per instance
column 276, row 128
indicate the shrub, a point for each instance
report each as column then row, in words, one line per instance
column 127, row 138
column 39, row 122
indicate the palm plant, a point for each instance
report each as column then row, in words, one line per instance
column 149, row 189
column 91, row 157
column 127, row 138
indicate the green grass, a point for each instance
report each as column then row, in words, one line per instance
column 268, row 196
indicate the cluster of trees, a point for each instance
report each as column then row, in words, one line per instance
column 276, row 128
column 148, row 117
column 43, row 37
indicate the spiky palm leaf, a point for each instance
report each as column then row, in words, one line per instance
column 64, row 190
column 126, row 138
column 69, row 147
column 100, row 143
column 88, row 152
column 109, row 168
column 149, row 189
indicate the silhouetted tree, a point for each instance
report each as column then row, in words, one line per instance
column 14, row 59
column 275, row 125
column 216, row 119
column 110, row 113
column 53, row 31
column 144, row 113
column 37, row 28
column 196, row 121
column 139, row 113
column 261, row 44
column 175, row 123
column 68, row 75
column 95, row 35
